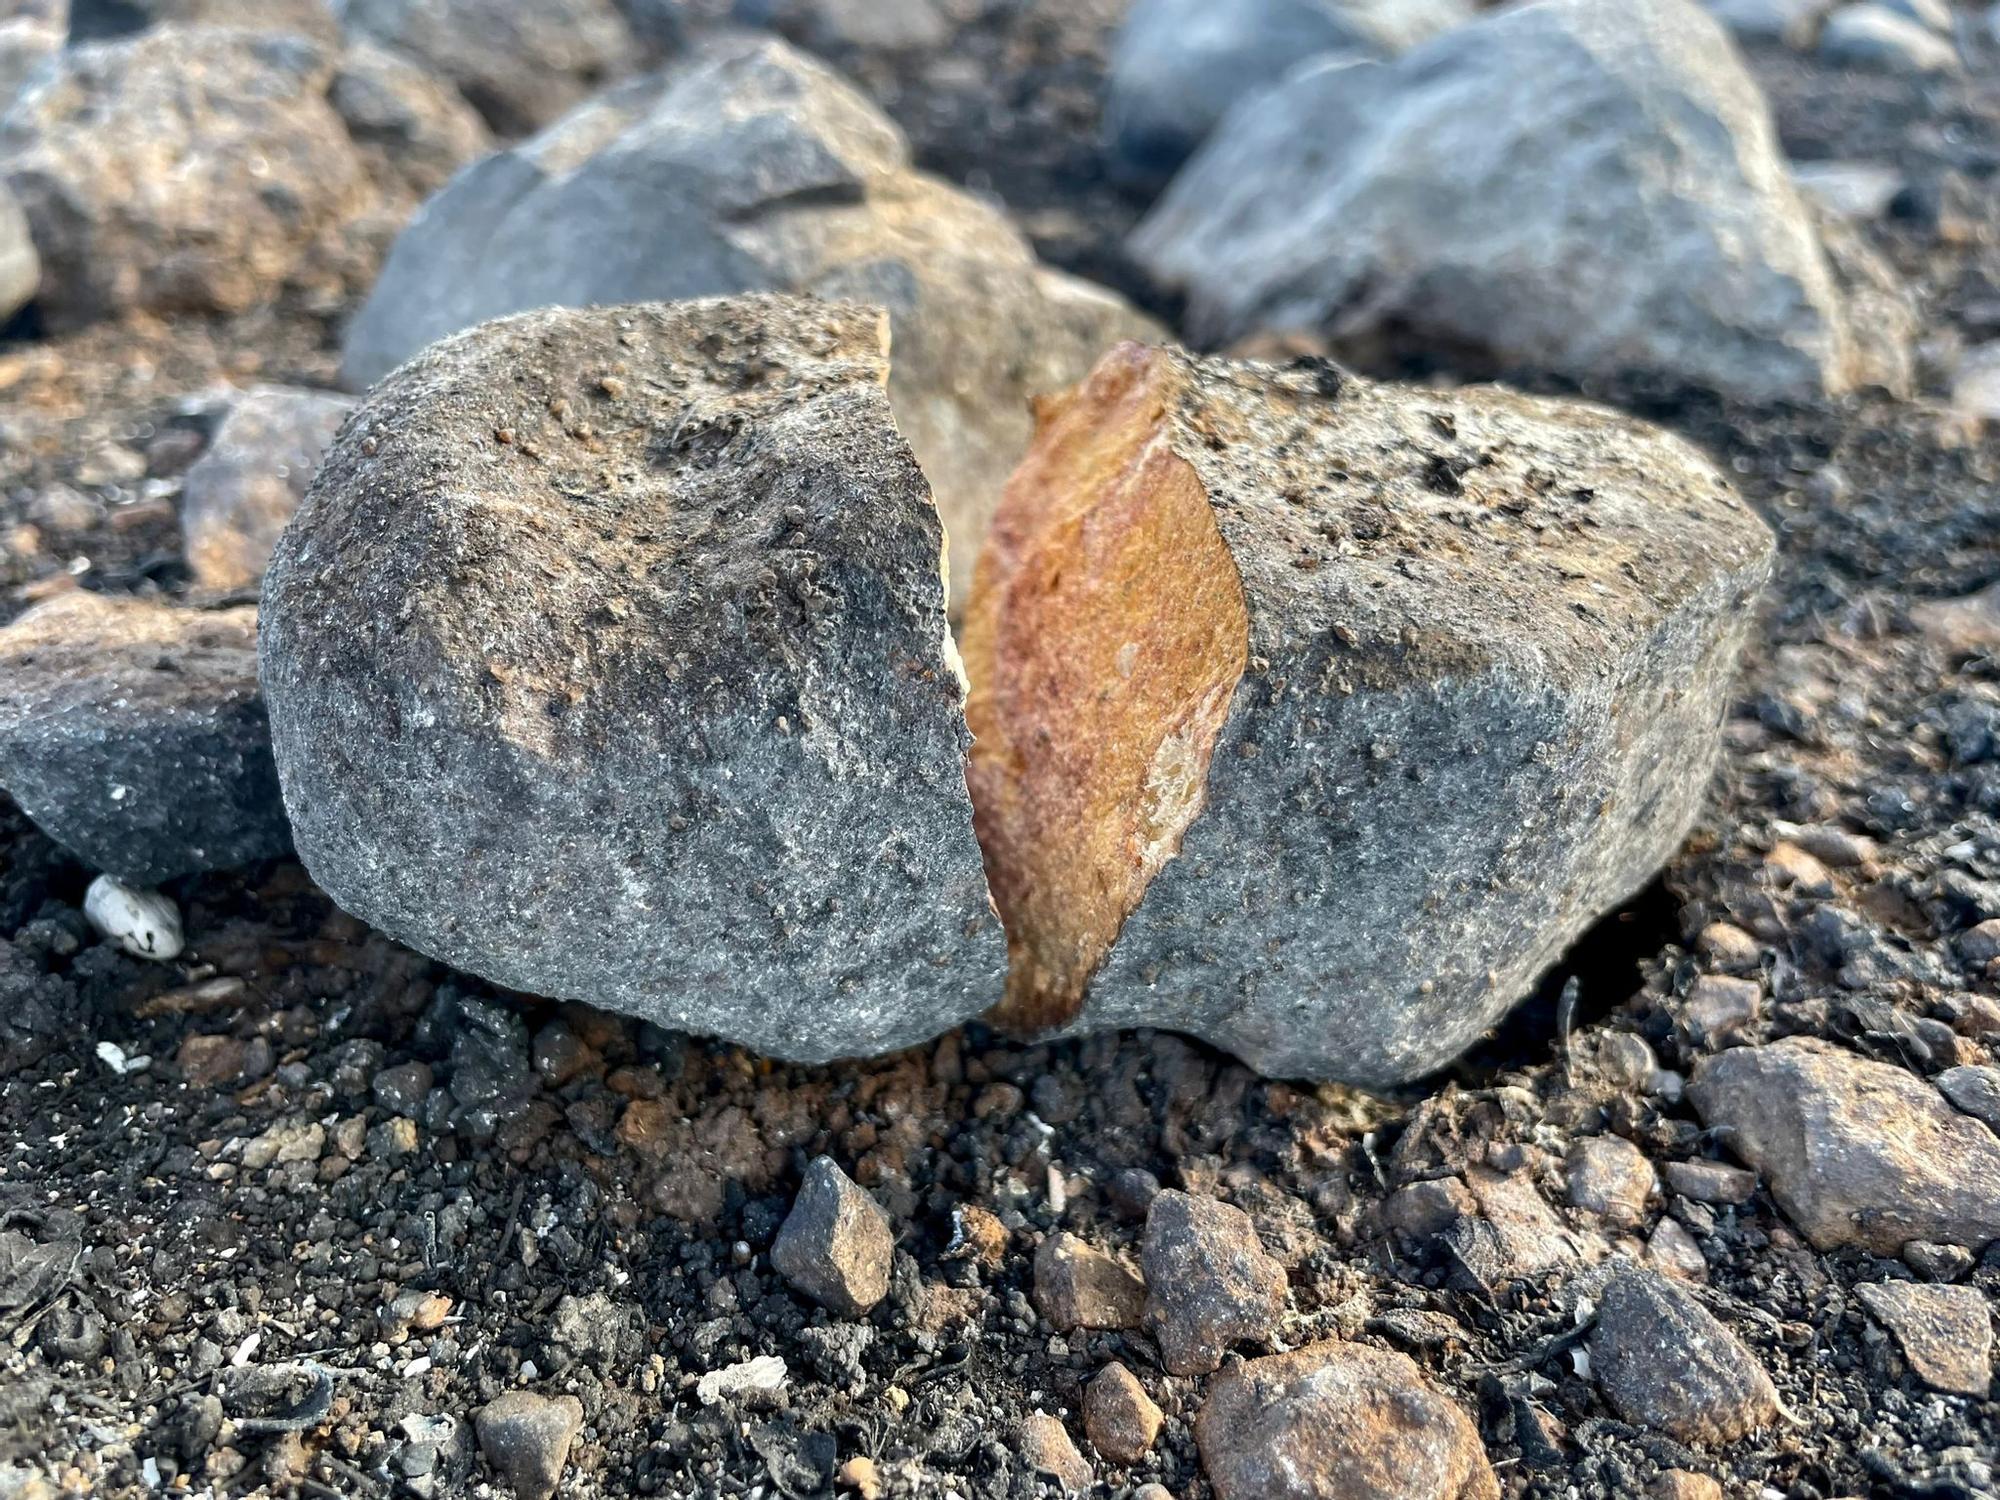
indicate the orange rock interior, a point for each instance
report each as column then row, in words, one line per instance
column 1105, row 635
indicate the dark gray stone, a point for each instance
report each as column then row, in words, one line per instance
column 1480, row 685
column 1975, row 1090
column 835, row 1245
column 1664, row 1361
column 1209, row 1282
column 1178, row 65
column 133, row 734
column 607, row 659
column 241, row 492
column 1629, row 212
column 755, row 168
column 520, row 63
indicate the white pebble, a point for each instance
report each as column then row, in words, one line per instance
column 764, row 1375
column 143, row 923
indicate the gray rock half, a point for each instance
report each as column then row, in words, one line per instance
column 1318, row 717
column 753, row 168
column 607, row 658
column 133, row 733
column 1586, row 186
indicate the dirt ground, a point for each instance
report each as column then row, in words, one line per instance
column 286, row 1211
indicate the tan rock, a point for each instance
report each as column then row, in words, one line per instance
column 1855, row 1152
column 526, row 1437
column 1718, row 1006
column 1080, row 1286
column 1337, row 1421
column 1120, row 1419
column 1608, row 1175
column 1945, row 1332
column 1047, row 1448
column 1683, row 1484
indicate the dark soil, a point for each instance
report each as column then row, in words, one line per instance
column 597, row 1199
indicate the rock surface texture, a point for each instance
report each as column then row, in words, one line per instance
column 607, row 658
column 1945, row 1332
column 1333, row 1421
column 183, row 168
column 1317, row 717
column 835, row 1245
column 134, row 734
column 241, row 492
column 754, row 168
column 1209, row 1282
column 1631, row 213
column 1855, row 1152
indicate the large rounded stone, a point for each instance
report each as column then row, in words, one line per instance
column 1318, row 717
column 607, row 658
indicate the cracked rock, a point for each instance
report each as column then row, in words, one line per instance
column 1663, row 233
column 752, row 167
column 1336, row 1420
column 835, row 1245
column 607, row 658
column 133, row 733
column 1410, row 689
column 1209, row 1283
column 1855, row 1152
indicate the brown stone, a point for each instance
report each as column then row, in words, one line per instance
column 1046, row 1447
column 1608, row 1175
column 1080, row 1286
column 1120, row 1419
column 1665, row 1362
column 1337, row 1421
column 526, row 1438
column 1683, row 1484
column 1209, row 1282
column 835, row 1245
column 1945, row 1332
column 206, row 1061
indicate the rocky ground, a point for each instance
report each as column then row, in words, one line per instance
column 296, row 1212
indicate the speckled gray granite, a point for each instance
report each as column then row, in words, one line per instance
column 132, row 732
column 607, row 658
column 1490, row 645
column 1629, row 212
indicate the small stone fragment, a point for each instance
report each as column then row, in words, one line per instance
column 1209, row 1283
column 134, row 734
column 1663, row 1361
column 1875, row 36
column 763, row 1376
column 641, row 707
column 1855, row 1152
column 1980, row 944
column 241, row 492
column 1521, row 1233
column 1729, row 947
column 1718, row 1006
column 835, row 1245
column 862, row 1475
column 1120, row 1419
column 1684, row 1484
column 1047, row 1448
column 1336, row 1421
column 1711, row 1181
column 526, row 1439
column 207, row 1060
column 1079, row 1286
column 146, row 924
column 1609, row 1175
column 1975, row 1090
column 1422, row 1209
column 1945, row 1332
column 1671, row 1249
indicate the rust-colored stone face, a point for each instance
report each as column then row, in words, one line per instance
column 1104, row 638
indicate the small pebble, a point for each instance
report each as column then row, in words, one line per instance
column 143, row 923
